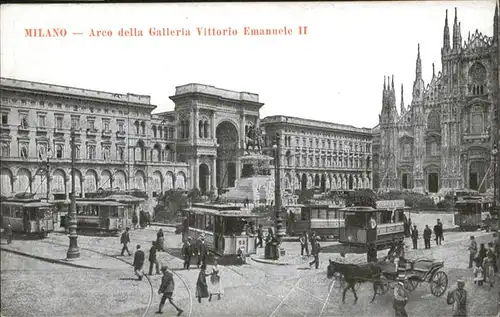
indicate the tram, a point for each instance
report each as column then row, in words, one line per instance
column 360, row 230
column 225, row 228
column 28, row 216
column 468, row 216
column 101, row 215
column 325, row 220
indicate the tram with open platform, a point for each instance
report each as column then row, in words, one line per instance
column 323, row 219
column 469, row 211
column 28, row 216
column 380, row 226
column 101, row 216
column 226, row 228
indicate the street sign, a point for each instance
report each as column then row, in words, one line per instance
column 390, row 204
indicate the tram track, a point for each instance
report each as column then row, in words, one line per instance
column 151, row 295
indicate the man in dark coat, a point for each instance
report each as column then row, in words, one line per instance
column 8, row 233
column 185, row 229
column 438, row 232
column 371, row 254
column 138, row 262
column 414, row 236
column 134, row 220
column 202, row 251
column 167, row 288
column 440, row 224
column 187, row 252
column 260, row 236
column 316, row 248
column 153, row 260
column 427, row 237
column 125, row 240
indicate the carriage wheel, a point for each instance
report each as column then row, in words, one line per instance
column 410, row 285
column 382, row 289
column 439, row 283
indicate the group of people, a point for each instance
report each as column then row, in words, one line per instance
column 427, row 235
column 144, row 219
column 483, row 261
column 305, row 240
column 198, row 249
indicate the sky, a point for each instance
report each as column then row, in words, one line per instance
column 333, row 73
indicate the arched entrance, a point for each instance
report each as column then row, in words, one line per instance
column 477, row 171
column 204, row 175
column 316, row 180
column 405, row 181
column 433, row 180
column 323, row 183
column 227, row 140
column 303, row 182
column 351, row 180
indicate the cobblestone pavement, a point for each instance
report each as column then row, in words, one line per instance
column 253, row 289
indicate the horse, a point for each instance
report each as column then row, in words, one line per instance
column 354, row 273
column 253, row 139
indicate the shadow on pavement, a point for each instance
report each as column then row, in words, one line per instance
column 221, row 260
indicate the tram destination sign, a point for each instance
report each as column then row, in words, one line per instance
column 390, row 204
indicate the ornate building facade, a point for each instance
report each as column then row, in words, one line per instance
column 443, row 140
column 320, row 155
column 121, row 145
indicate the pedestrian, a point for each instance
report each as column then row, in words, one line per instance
column 316, row 248
column 138, row 262
column 427, row 237
column 400, row 299
column 406, row 227
column 167, row 288
column 160, row 240
column 458, row 298
column 201, row 284
column 215, row 282
column 304, row 244
column 187, row 252
column 8, row 233
column 260, row 236
column 134, row 220
column 148, row 218
column 478, row 274
column 185, row 229
column 125, row 240
column 341, row 259
column 438, row 233
column 491, row 255
column 472, row 251
column 482, row 253
column 142, row 219
column 371, row 253
column 202, row 251
column 440, row 224
column 153, row 260
column 414, row 236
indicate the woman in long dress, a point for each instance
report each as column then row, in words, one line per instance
column 201, row 284
column 215, row 282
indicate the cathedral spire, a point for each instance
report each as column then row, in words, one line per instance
column 457, row 38
column 392, row 84
column 402, row 100
column 384, row 83
column 433, row 71
column 418, row 66
column 495, row 24
column 446, row 34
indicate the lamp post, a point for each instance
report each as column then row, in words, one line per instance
column 73, row 250
column 280, row 232
column 494, row 153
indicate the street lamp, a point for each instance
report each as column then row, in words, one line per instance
column 73, row 250
column 280, row 232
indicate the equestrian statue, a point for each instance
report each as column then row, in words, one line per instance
column 254, row 139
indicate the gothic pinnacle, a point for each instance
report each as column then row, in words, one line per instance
column 384, row 84
column 433, row 71
column 392, row 84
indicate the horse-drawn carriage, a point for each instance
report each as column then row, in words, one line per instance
column 384, row 273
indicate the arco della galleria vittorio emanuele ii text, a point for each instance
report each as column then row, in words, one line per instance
column 441, row 141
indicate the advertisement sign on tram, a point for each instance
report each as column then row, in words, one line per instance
column 390, row 204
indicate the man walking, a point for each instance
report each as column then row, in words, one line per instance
column 134, row 220
column 440, row 224
column 167, row 288
column 427, row 237
column 8, row 233
column 458, row 298
column 414, row 236
column 438, row 232
column 153, row 260
column 125, row 240
column 187, row 251
column 202, row 251
column 472, row 251
column 304, row 244
column 316, row 248
column 138, row 262
column 260, row 236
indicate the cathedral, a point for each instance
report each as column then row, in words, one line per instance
column 443, row 140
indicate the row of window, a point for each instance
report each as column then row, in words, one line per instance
column 328, row 144
column 309, row 161
column 433, row 149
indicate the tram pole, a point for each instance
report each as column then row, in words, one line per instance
column 277, row 190
column 73, row 251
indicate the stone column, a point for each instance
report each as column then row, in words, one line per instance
column 194, row 126
column 214, row 175
column 67, row 185
column 214, row 128
column 242, row 130
column 196, row 169
column 238, row 169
